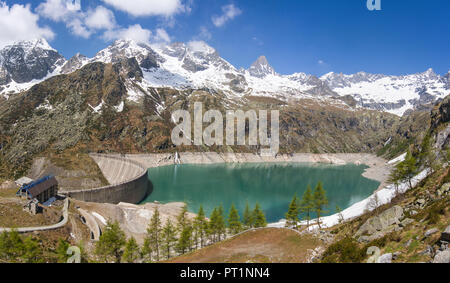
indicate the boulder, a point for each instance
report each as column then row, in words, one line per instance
column 378, row 226
column 431, row 232
column 406, row 222
column 442, row 257
column 445, row 236
column 386, row 258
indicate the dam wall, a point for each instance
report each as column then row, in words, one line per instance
column 128, row 181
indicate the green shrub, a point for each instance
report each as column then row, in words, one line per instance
column 346, row 250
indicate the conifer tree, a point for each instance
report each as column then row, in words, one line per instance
column 111, row 243
column 292, row 214
column 307, row 204
column 259, row 217
column 340, row 215
column 168, row 238
column 234, row 223
column 182, row 219
column 200, row 228
column 131, row 252
column 154, row 232
column 185, row 241
column 146, row 251
column 409, row 168
column 395, row 178
column 61, row 251
column 248, row 221
column 320, row 201
column 221, row 225
column 31, row 251
column 213, row 224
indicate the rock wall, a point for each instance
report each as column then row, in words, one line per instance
column 128, row 179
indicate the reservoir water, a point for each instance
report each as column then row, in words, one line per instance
column 270, row 185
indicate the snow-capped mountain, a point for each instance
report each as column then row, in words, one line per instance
column 26, row 63
column 395, row 94
column 261, row 68
column 74, row 63
column 196, row 65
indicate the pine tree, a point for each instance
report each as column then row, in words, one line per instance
column 146, row 251
column 428, row 155
column 340, row 215
column 185, row 241
column 292, row 214
column 200, row 228
column 182, row 219
column 31, row 251
column 248, row 221
column 221, row 225
column 395, row 178
column 259, row 217
column 307, row 204
column 61, row 251
column 15, row 249
column 213, row 224
column 111, row 243
column 131, row 252
column 154, row 231
column 234, row 223
column 168, row 238
column 320, row 201
column 409, row 168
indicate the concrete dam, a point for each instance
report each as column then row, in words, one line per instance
column 128, row 181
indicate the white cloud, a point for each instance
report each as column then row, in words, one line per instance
column 200, row 46
column 204, row 33
column 78, row 28
column 138, row 34
column 321, row 62
column 58, row 10
column 140, row 8
column 229, row 13
column 100, row 18
column 135, row 32
column 81, row 23
column 162, row 36
column 18, row 22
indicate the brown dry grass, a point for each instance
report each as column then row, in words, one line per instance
column 261, row 246
column 12, row 215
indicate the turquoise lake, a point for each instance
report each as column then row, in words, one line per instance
column 270, row 185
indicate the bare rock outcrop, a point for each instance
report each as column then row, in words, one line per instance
column 378, row 226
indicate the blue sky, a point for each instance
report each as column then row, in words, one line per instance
column 313, row 36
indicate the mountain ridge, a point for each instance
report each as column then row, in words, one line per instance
column 196, row 65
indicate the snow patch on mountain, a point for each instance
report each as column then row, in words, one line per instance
column 396, row 94
column 196, row 65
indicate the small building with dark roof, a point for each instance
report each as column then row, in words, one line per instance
column 42, row 189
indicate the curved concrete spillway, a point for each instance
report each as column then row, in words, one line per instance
column 128, row 179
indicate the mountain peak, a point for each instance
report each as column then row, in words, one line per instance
column 261, row 68
column 39, row 43
column 200, row 47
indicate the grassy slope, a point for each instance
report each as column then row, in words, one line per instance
column 260, row 246
column 410, row 242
